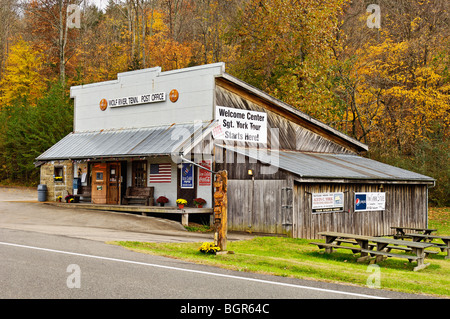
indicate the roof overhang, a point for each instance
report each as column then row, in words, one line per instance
column 327, row 167
column 151, row 141
column 234, row 84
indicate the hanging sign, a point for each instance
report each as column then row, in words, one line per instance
column 204, row 176
column 137, row 99
column 370, row 202
column 327, row 202
column 242, row 125
column 187, row 175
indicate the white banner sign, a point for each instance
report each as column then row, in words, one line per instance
column 370, row 201
column 242, row 125
column 137, row 99
column 327, row 202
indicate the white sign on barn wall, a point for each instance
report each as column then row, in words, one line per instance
column 327, row 202
column 370, row 201
column 241, row 125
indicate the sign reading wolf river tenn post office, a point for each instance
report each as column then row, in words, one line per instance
column 242, row 125
column 137, row 99
column 327, row 202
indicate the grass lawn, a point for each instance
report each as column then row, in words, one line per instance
column 291, row 257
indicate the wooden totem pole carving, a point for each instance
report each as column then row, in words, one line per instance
column 220, row 210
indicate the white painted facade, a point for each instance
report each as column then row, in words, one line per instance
column 195, row 87
column 195, row 103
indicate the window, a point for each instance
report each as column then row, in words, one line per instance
column 59, row 173
column 99, row 176
column 140, row 173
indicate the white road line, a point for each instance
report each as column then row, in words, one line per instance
column 194, row 271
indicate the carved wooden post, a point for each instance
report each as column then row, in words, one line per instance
column 220, row 210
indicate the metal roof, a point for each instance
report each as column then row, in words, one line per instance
column 160, row 140
column 329, row 166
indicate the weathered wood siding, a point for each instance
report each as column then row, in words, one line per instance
column 260, row 206
column 405, row 206
column 291, row 136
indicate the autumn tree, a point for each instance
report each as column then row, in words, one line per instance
column 285, row 48
column 47, row 27
column 395, row 84
column 22, row 79
column 9, row 19
column 394, row 80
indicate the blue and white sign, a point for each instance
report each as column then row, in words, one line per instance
column 187, row 175
column 365, row 202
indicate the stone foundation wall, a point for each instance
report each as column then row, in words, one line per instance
column 57, row 188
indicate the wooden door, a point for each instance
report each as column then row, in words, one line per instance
column 99, row 183
column 260, row 206
column 113, row 192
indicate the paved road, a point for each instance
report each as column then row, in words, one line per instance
column 46, row 252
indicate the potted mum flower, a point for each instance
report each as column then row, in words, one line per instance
column 199, row 202
column 162, row 200
column 181, row 202
column 69, row 198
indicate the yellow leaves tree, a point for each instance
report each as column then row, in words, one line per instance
column 395, row 80
column 286, row 49
column 22, row 79
column 399, row 95
column 161, row 49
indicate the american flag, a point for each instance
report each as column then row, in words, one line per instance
column 160, row 173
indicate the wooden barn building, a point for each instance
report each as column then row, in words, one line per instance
column 288, row 173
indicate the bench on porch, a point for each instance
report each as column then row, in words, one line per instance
column 85, row 194
column 139, row 194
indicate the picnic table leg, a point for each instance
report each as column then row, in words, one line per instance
column 380, row 247
column 329, row 240
column 399, row 233
column 420, row 262
column 364, row 244
column 416, row 238
column 447, row 249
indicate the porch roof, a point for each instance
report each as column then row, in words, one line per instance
column 158, row 140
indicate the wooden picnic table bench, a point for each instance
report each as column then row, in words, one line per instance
column 387, row 248
column 366, row 243
column 418, row 250
column 330, row 238
column 445, row 247
column 400, row 231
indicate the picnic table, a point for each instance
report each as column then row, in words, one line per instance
column 400, row 231
column 445, row 247
column 364, row 245
column 331, row 237
column 418, row 249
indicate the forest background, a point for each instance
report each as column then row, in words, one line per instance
column 387, row 87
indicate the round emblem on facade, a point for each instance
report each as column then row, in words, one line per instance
column 103, row 104
column 173, row 95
